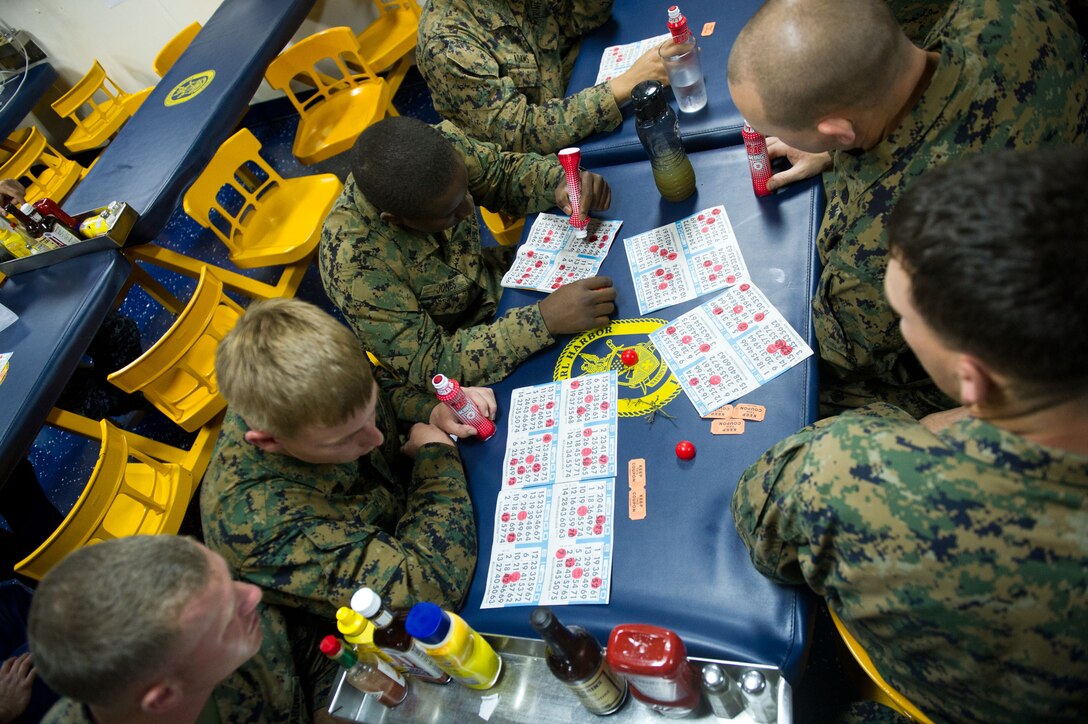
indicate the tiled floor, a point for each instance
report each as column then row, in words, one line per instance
column 63, row 462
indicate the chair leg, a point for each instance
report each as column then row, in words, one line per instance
column 182, row 264
column 396, row 74
column 89, row 428
column 156, row 290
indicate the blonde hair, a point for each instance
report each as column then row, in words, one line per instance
column 287, row 365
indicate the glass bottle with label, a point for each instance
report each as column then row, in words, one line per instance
column 367, row 673
column 574, row 657
column 659, row 131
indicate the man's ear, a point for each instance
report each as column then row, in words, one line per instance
column 161, row 697
column 978, row 385
column 840, row 129
column 263, row 441
column 389, row 218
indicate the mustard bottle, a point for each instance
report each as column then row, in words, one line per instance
column 358, row 632
column 457, row 649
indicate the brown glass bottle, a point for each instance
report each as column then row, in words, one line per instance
column 35, row 229
column 395, row 640
column 574, row 657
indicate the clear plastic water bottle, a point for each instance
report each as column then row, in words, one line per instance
column 681, row 59
column 659, row 131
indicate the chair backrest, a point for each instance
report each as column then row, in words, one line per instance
column 174, row 47
column 85, row 92
column 878, row 689
column 41, row 169
column 228, row 193
column 177, row 373
column 122, row 497
column 328, row 61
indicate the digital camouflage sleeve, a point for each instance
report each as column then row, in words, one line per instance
column 986, row 93
column 957, row 560
column 424, row 303
column 499, row 69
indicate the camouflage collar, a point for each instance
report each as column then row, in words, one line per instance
column 998, row 448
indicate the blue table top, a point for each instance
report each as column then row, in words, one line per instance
column 717, row 124
column 683, row 567
column 60, row 308
column 16, row 100
column 179, row 127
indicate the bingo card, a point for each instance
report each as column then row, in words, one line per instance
column 552, row 545
column 729, row 346
column 553, row 255
column 685, row 260
column 618, row 58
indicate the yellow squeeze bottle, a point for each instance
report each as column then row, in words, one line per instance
column 358, row 632
column 457, row 649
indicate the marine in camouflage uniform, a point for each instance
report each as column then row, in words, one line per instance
column 499, row 69
column 425, row 303
column 310, row 535
column 1010, row 74
column 956, row 559
column 917, row 17
column 264, row 689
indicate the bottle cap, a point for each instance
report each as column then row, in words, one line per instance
column 349, row 622
column 441, row 384
column 649, row 99
column 330, row 646
column 428, row 623
column 28, row 208
column 366, row 603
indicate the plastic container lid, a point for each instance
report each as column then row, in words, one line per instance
column 441, row 384
column 330, row 646
column 649, row 99
column 366, row 602
column 350, row 622
column 428, row 623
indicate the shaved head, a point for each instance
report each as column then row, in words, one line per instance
column 806, row 59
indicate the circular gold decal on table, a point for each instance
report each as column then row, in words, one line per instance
column 644, row 387
column 189, row 88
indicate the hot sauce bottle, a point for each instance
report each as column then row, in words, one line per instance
column 367, row 673
column 574, row 657
column 655, row 664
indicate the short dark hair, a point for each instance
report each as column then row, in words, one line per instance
column 996, row 247
column 402, row 164
column 102, row 618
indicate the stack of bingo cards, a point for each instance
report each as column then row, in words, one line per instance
column 685, row 260
column 729, row 346
column 617, row 59
column 553, row 531
column 553, row 255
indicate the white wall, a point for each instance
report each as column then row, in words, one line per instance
column 126, row 35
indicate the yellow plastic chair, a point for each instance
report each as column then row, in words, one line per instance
column 388, row 42
column 109, row 108
column 505, row 228
column 173, row 49
column 177, row 374
column 271, row 220
column 870, row 683
column 348, row 98
column 128, row 493
column 42, row 170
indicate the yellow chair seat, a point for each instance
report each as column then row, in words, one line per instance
column 41, row 169
column 276, row 224
column 348, row 96
column 122, row 497
column 389, row 38
column 505, row 228
column 873, row 686
column 177, row 373
column 105, row 117
column 332, row 126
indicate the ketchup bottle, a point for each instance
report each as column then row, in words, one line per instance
column 655, row 664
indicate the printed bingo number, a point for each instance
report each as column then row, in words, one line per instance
column 587, row 399
column 577, row 573
column 772, row 348
column 514, row 578
column 583, row 510
column 529, row 460
column 687, row 341
column 533, row 409
column 707, row 229
column 521, row 516
column 740, row 310
column 587, row 452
